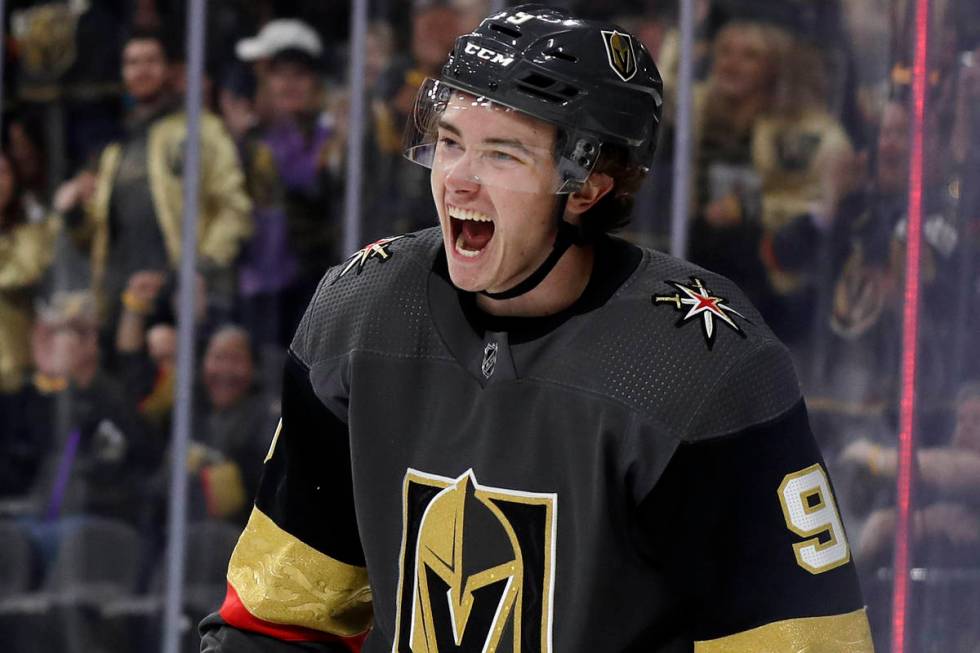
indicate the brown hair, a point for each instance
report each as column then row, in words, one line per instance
column 613, row 210
column 797, row 74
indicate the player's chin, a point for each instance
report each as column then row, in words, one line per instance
column 465, row 277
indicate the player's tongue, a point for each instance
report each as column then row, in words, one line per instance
column 475, row 235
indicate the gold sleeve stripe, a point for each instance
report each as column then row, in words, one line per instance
column 282, row 580
column 845, row 633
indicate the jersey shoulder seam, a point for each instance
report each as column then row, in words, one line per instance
column 759, row 346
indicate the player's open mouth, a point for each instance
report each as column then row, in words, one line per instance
column 471, row 230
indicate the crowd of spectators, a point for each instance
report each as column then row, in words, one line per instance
column 801, row 133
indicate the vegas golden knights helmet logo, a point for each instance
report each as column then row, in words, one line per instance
column 619, row 51
column 477, row 567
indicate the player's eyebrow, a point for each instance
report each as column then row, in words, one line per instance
column 509, row 142
column 449, row 127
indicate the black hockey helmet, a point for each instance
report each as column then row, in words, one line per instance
column 594, row 81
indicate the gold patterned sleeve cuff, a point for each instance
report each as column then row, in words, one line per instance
column 845, row 633
column 281, row 580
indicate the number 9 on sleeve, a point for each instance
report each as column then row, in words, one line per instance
column 811, row 512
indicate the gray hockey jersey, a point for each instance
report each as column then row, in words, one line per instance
column 636, row 473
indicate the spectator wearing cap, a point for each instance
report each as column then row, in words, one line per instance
column 134, row 203
column 275, row 36
column 286, row 159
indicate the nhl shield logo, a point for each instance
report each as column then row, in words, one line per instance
column 489, row 359
column 619, row 51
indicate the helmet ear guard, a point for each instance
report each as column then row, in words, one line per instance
column 576, row 166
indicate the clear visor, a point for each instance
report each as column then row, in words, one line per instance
column 472, row 139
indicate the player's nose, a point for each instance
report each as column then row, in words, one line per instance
column 461, row 177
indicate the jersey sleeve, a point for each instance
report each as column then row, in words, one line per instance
column 746, row 529
column 297, row 579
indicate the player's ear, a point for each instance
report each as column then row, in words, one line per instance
column 593, row 190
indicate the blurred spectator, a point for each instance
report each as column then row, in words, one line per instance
column 866, row 256
column 161, row 347
column 83, row 449
column 765, row 148
column 965, row 145
column 944, row 528
column 236, row 102
column 470, row 13
column 26, row 250
column 145, row 341
column 966, row 129
column 232, row 429
column 134, row 203
column 869, row 35
column 67, row 73
column 143, row 377
column 384, row 138
column 380, row 49
column 276, row 35
column 286, row 158
column 24, row 145
column 947, row 526
column 404, row 204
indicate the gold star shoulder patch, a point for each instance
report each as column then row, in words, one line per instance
column 698, row 303
column 379, row 249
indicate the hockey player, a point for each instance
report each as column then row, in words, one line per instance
column 517, row 433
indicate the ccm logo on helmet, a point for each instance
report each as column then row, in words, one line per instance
column 488, row 55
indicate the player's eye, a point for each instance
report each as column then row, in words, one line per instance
column 499, row 156
column 449, row 143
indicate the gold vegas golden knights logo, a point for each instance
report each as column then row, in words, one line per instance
column 619, row 50
column 46, row 38
column 477, row 567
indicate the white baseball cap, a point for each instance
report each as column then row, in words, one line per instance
column 278, row 35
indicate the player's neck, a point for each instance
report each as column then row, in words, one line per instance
column 559, row 290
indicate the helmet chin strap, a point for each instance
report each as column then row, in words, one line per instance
column 568, row 235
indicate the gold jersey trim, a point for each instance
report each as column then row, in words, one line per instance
column 282, row 580
column 844, row 633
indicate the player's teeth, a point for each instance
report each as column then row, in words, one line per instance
column 468, row 214
column 462, row 250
